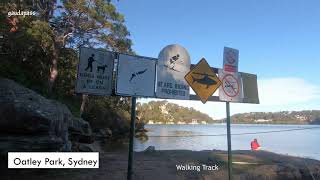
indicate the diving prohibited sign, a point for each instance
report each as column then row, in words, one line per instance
column 203, row 80
column 94, row 74
column 231, row 88
column 136, row 76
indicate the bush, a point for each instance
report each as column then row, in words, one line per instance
column 101, row 114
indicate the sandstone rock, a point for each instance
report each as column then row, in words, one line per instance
column 103, row 134
column 139, row 127
column 142, row 136
column 108, row 132
column 80, row 131
column 30, row 122
column 85, row 147
column 150, row 149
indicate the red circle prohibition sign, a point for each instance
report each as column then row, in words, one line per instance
column 230, row 84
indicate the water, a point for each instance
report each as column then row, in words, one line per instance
column 303, row 143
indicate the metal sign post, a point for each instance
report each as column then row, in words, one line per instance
column 132, row 130
column 230, row 91
column 229, row 141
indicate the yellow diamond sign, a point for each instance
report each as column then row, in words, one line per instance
column 203, row 80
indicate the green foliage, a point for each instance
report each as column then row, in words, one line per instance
column 68, row 62
column 164, row 112
column 103, row 112
column 27, row 48
column 41, row 33
column 34, row 45
column 93, row 23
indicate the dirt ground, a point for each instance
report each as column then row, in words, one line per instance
column 161, row 165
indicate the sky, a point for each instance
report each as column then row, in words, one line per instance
column 277, row 40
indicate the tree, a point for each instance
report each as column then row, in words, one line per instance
column 67, row 24
column 41, row 50
column 152, row 111
column 89, row 23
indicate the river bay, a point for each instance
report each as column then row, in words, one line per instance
column 295, row 140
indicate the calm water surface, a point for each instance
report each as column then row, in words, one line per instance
column 304, row 143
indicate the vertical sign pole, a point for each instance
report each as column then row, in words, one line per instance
column 132, row 130
column 229, row 142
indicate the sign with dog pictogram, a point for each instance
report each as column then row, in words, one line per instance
column 136, row 76
column 203, row 80
column 94, row 75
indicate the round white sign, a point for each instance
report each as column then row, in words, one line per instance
column 173, row 65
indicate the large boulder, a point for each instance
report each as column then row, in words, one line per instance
column 80, row 131
column 150, row 149
column 30, row 122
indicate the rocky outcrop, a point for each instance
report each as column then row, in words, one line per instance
column 150, row 149
column 140, row 126
column 80, row 131
column 140, row 131
column 103, row 134
column 30, row 122
column 81, row 135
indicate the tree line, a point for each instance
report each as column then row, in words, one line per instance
column 165, row 112
column 282, row 117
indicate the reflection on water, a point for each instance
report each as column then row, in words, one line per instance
column 299, row 143
column 183, row 133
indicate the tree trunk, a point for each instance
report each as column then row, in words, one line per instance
column 85, row 100
column 53, row 69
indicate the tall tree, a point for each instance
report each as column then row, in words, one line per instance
column 88, row 23
column 91, row 23
column 42, row 49
column 69, row 24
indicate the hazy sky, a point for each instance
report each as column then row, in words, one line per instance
column 278, row 40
